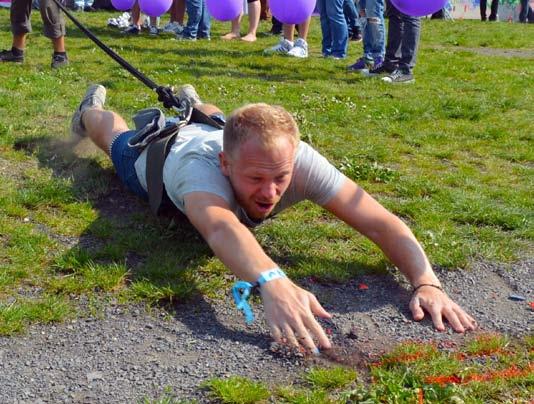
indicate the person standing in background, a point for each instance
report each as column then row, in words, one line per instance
column 401, row 50
column 494, row 8
column 334, row 28
column 53, row 28
column 254, row 9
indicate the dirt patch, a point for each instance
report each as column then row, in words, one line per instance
column 128, row 353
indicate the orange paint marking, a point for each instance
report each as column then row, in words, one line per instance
column 509, row 373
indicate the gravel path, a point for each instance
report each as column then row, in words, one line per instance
column 129, row 354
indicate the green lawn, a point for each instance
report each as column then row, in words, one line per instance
column 452, row 155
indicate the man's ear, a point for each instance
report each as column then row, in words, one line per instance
column 225, row 163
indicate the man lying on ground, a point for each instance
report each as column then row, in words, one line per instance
column 226, row 181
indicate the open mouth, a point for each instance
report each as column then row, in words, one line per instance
column 264, row 207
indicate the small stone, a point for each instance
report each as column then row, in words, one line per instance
column 517, row 298
column 92, row 376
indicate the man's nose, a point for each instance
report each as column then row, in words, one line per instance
column 268, row 190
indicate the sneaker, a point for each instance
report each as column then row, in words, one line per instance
column 173, row 27
column 182, row 37
column 9, row 56
column 282, row 48
column 132, row 30
column 399, row 76
column 300, row 49
column 154, row 31
column 188, row 92
column 360, row 65
column 59, row 60
column 380, row 70
column 95, row 97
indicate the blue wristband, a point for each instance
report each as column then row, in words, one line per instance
column 270, row 275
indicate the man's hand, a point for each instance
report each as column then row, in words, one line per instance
column 439, row 305
column 290, row 311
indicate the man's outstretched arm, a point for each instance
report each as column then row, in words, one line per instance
column 289, row 309
column 358, row 209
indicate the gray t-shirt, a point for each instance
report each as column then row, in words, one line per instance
column 193, row 166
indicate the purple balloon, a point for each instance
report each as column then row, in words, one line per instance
column 123, row 5
column 224, row 10
column 292, row 12
column 155, row 8
column 419, row 8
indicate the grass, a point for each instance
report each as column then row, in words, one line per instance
column 411, row 373
column 451, row 155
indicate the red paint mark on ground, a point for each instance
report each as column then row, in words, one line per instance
column 420, row 397
column 509, row 373
column 531, row 304
column 363, row 286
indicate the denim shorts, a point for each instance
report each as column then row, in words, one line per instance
column 124, row 158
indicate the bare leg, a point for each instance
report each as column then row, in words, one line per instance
column 254, row 10
column 236, row 28
column 19, row 41
column 208, row 109
column 304, row 29
column 288, row 30
column 59, row 44
column 102, row 126
column 179, row 10
column 136, row 15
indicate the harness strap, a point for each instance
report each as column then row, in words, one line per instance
column 159, row 146
column 156, row 154
column 200, row 117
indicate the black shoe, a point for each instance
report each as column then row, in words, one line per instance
column 399, row 76
column 89, row 9
column 132, row 30
column 492, row 17
column 59, row 60
column 380, row 70
column 356, row 36
column 10, row 56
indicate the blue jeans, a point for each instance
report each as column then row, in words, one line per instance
column 198, row 19
column 123, row 158
column 352, row 16
column 334, row 28
column 403, row 39
column 373, row 29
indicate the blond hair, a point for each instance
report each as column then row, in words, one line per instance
column 267, row 122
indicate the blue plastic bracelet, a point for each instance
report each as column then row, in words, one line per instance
column 242, row 290
column 270, row 275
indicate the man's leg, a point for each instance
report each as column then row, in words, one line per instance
column 92, row 121
column 54, row 28
column 20, row 26
column 395, row 34
column 410, row 42
column 102, row 126
column 374, row 13
column 194, row 16
column 338, row 28
column 326, row 41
